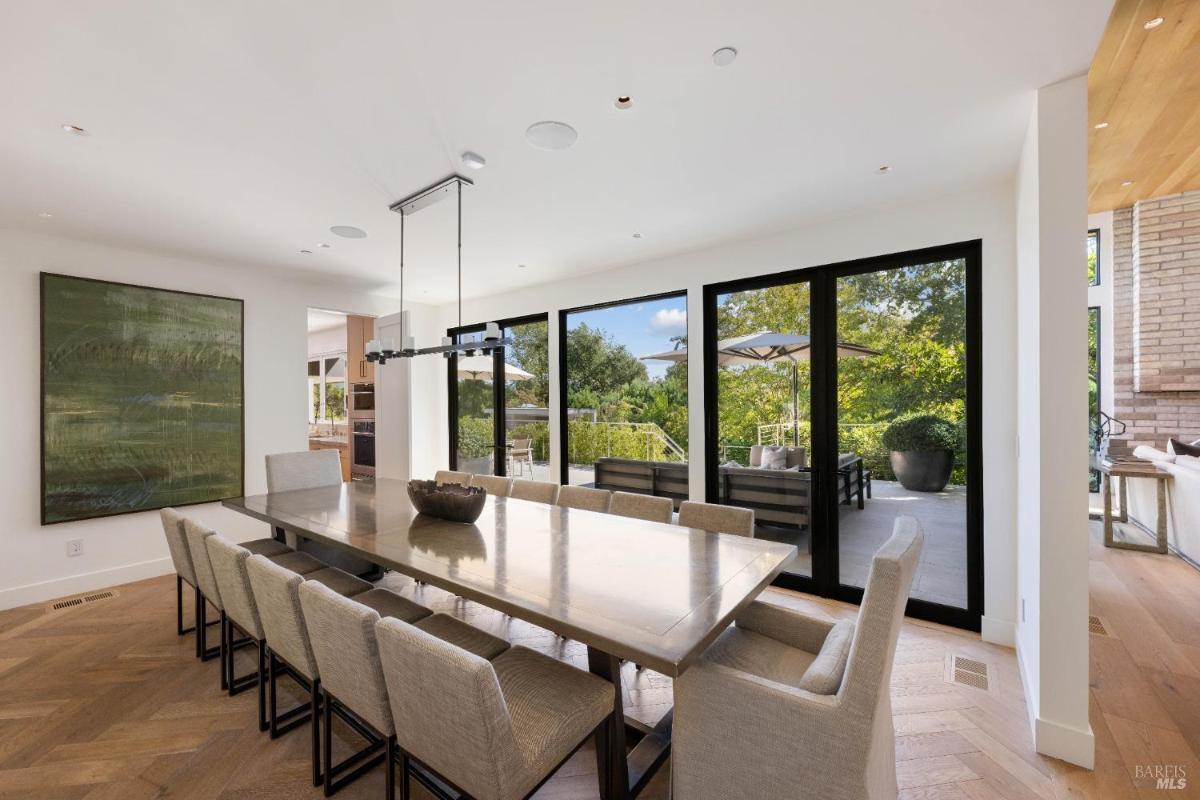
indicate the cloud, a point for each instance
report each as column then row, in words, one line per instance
column 669, row 322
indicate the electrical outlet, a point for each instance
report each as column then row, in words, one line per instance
column 75, row 547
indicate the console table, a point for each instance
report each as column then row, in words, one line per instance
column 1125, row 470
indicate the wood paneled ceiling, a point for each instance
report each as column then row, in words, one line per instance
column 1145, row 84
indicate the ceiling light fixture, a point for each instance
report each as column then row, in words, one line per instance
column 623, row 102
column 306, row 252
column 551, row 135
column 324, row 245
column 1151, row 24
column 724, row 56
column 637, row 236
column 75, row 130
column 884, row 170
column 348, row 232
column 1100, row 126
column 473, row 160
column 520, row 266
column 379, row 352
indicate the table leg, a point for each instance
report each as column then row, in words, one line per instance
column 1108, row 519
column 611, row 759
column 1162, row 516
column 1124, row 517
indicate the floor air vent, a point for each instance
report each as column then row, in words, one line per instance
column 91, row 598
column 75, row 602
column 967, row 672
column 1096, row 626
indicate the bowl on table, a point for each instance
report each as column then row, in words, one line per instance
column 447, row 501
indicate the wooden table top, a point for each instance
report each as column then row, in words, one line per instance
column 1131, row 468
column 649, row 592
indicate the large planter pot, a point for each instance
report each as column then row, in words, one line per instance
column 922, row 470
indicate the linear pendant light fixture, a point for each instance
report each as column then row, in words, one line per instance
column 380, row 352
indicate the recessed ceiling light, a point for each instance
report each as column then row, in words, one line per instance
column 637, row 236
column 1151, row 24
column 884, row 170
column 1127, row 183
column 551, row 135
column 623, row 102
column 45, row 215
column 520, row 266
column 724, row 56
column 1100, row 126
column 473, row 160
column 306, row 252
column 324, row 245
column 75, row 129
column 348, row 232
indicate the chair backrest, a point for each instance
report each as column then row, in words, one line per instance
column 449, row 710
column 641, row 506
column 450, row 476
column 307, row 469
column 229, row 568
column 796, row 456
column 536, row 491
column 715, row 518
column 181, row 557
column 342, row 633
column 494, row 484
column 277, row 596
column 206, row 581
column 583, row 498
column 521, row 444
column 869, row 667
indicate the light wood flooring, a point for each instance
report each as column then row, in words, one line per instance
column 102, row 701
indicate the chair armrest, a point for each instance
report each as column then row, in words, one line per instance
column 783, row 625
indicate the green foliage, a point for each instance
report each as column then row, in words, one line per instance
column 922, row 432
column 474, row 437
column 538, row 434
column 588, row 441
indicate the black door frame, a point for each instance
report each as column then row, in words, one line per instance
column 499, row 398
column 822, row 281
column 564, row 465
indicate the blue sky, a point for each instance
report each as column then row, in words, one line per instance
column 643, row 327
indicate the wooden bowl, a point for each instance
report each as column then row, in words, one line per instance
column 447, row 501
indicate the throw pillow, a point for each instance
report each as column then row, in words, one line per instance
column 774, row 457
column 1178, row 448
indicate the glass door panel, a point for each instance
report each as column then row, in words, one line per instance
column 763, row 409
column 527, row 401
column 901, row 421
column 475, row 434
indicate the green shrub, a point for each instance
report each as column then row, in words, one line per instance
column 474, row 437
column 923, row 432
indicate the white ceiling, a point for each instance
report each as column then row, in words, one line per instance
column 243, row 131
column 321, row 320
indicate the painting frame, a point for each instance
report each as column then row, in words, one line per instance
column 43, row 278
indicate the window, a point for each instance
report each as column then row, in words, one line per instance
column 1093, row 387
column 624, row 395
column 1093, row 257
column 327, row 389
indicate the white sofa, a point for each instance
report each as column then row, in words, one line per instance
column 1183, row 502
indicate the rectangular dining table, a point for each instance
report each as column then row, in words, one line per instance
column 647, row 592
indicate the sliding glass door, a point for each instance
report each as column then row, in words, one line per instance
column 845, row 396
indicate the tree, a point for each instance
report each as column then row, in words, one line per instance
column 598, row 365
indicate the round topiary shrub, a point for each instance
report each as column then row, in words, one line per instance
column 922, row 451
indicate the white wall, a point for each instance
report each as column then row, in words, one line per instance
column 1052, row 637
column 986, row 214
column 35, row 566
column 327, row 340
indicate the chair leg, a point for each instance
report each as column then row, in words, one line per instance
column 389, row 764
column 316, row 732
column 262, row 685
column 327, row 745
column 201, row 625
column 225, row 649
column 179, row 629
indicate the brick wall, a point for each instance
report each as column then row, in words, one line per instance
column 1156, row 319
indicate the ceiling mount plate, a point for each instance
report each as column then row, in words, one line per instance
column 430, row 195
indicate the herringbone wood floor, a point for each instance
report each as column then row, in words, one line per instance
column 104, row 702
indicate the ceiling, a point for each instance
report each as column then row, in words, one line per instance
column 1146, row 85
column 243, row 131
column 320, row 320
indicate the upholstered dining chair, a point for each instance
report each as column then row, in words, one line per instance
column 716, row 518
column 493, row 484
column 341, row 631
column 494, row 731
column 787, row 705
column 534, row 491
column 194, row 534
column 185, row 572
column 584, row 498
column 315, row 469
column 452, row 476
column 642, row 506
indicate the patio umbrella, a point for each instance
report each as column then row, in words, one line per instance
column 474, row 368
column 766, row 347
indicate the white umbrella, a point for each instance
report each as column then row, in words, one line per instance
column 475, row 368
column 764, row 347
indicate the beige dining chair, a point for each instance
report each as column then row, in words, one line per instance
column 195, row 533
column 716, row 518
column 494, row 730
column 341, row 631
column 642, row 506
column 493, row 484
column 584, row 498
column 520, row 455
column 534, row 491
column 787, row 705
column 452, row 476
column 181, row 559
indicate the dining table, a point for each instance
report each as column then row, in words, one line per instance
column 652, row 593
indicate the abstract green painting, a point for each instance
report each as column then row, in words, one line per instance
column 142, row 394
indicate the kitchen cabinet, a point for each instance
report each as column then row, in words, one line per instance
column 341, row 445
column 359, row 331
